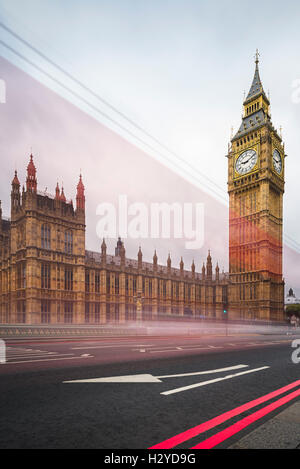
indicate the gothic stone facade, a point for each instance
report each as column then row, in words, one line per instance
column 256, row 164
column 48, row 277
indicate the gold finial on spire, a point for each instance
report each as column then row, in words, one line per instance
column 231, row 133
column 257, row 55
column 280, row 131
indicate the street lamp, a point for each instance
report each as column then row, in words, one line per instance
column 225, row 313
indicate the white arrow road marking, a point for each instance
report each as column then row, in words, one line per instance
column 147, row 378
column 204, row 383
column 218, row 370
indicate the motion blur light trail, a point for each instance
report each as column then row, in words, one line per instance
column 216, row 439
column 245, row 422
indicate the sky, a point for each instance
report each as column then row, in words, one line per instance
column 178, row 69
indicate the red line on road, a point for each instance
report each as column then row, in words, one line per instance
column 245, row 422
column 203, row 427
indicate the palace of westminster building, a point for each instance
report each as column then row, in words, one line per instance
column 48, row 277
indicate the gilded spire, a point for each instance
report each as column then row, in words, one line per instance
column 256, row 105
column 256, row 88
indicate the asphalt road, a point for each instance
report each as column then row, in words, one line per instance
column 40, row 409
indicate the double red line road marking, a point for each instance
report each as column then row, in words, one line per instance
column 236, row 427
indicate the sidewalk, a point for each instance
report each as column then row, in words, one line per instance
column 280, row 432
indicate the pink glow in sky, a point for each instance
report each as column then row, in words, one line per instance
column 64, row 141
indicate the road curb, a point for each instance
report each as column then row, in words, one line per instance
column 280, row 432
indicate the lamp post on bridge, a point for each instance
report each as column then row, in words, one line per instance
column 225, row 316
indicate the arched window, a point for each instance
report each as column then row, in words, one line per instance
column 68, row 315
column 69, row 242
column 164, row 285
column 97, row 282
column 45, row 312
column 134, row 284
column 87, row 281
column 45, row 237
column 108, row 283
column 97, row 312
column 68, row 278
column 150, row 287
column 117, row 285
column 45, row 275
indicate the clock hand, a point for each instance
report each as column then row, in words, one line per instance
column 244, row 162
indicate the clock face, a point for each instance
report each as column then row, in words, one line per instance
column 277, row 161
column 246, row 162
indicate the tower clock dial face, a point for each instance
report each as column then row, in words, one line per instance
column 246, row 162
column 277, row 161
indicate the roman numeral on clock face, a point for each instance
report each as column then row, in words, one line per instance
column 246, row 162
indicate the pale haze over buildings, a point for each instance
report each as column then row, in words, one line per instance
column 178, row 69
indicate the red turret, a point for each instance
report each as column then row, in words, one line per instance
column 62, row 195
column 15, row 181
column 155, row 261
column 181, row 265
column 80, row 198
column 57, row 195
column 209, row 267
column 31, row 181
column 169, row 263
column 193, row 269
column 140, row 258
column 15, row 192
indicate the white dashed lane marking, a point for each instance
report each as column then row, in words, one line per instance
column 182, row 348
column 17, row 355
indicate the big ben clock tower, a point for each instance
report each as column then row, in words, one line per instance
column 256, row 187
